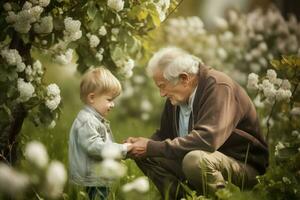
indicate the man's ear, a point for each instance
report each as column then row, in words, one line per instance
column 184, row 78
column 91, row 97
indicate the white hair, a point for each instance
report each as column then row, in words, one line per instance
column 173, row 61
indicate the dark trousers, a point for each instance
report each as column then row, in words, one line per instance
column 97, row 193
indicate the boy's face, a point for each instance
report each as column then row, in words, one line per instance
column 102, row 103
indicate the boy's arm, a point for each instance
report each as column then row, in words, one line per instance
column 90, row 139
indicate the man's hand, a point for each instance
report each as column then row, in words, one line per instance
column 139, row 147
column 130, row 140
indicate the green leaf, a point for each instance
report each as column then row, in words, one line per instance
column 117, row 53
column 96, row 23
column 154, row 14
column 91, row 10
column 276, row 64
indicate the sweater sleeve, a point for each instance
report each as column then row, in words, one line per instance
column 216, row 119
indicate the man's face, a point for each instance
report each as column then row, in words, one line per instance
column 177, row 93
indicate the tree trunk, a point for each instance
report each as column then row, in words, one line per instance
column 9, row 142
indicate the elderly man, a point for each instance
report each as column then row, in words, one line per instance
column 209, row 131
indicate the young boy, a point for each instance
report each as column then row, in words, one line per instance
column 90, row 131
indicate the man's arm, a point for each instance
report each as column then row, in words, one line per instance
column 217, row 117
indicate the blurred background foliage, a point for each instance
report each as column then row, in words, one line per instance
column 138, row 108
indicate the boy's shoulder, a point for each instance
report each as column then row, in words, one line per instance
column 84, row 116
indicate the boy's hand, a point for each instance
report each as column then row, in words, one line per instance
column 128, row 146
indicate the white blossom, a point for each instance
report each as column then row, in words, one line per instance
column 222, row 53
column 117, row 5
column 53, row 90
column 44, row 3
column 221, row 23
column 140, row 184
column 12, row 183
column 52, row 124
column 25, row 89
column 94, row 41
column 252, row 81
column 36, row 153
column 37, row 68
column 115, row 31
column 99, row 56
column 53, row 96
column 285, row 84
column 11, row 56
column 282, row 94
column 72, row 29
column 20, row 67
column 45, row 26
column 272, row 75
column 111, row 151
column 102, row 31
column 295, row 111
column 11, row 18
column 146, row 106
column 295, row 133
column 278, row 147
column 111, row 169
column 56, row 177
column 53, row 103
column 65, row 58
column 145, row 116
column 286, row 180
column 7, row 6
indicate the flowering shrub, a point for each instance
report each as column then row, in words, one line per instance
column 108, row 33
column 240, row 43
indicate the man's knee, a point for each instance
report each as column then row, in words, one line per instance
column 195, row 161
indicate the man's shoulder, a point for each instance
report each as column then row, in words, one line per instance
column 216, row 78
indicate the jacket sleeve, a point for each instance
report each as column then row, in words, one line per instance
column 216, row 119
column 92, row 139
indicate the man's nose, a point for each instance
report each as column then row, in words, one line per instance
column 162, row 93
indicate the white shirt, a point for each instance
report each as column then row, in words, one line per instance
column 184, row 115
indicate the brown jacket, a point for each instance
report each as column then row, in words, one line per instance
column 223, row 119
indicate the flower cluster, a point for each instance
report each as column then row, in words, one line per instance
column 46, row 178
column 53, row 96
column 72, row 30
column 272, row 88
column 26, row 90
column 29, row 14
column 247, row 41
column 13, row 57
column 110, row 168
column 116, row 5
column 140, row 184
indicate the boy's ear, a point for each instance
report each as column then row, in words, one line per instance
column 90, row 97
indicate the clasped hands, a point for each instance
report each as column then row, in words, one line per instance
column 137, row 147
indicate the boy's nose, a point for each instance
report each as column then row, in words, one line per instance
column 112, row 104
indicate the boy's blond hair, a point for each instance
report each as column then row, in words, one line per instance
column 100, row 81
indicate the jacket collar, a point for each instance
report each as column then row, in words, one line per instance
column 92, row 110
column 203, row 70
